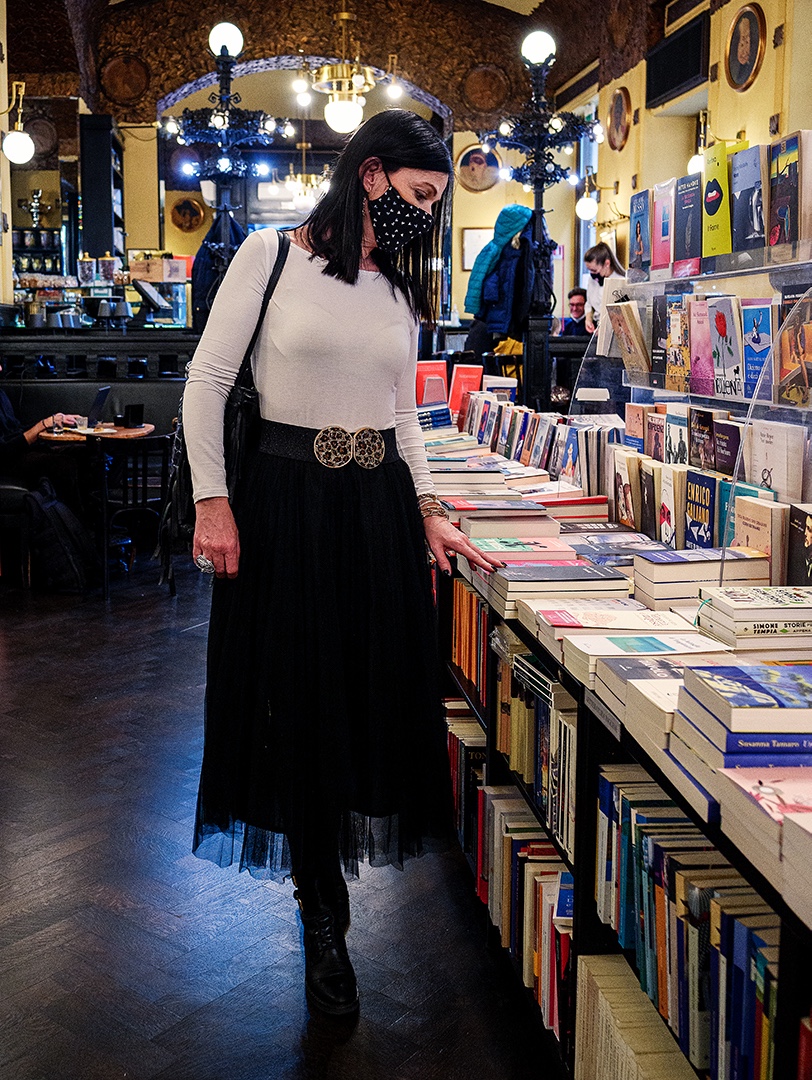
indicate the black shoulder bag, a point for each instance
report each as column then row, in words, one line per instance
column 240, row 434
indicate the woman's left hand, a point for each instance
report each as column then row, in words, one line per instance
column 443, row 537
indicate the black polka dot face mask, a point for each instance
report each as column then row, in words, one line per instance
column 395, row 221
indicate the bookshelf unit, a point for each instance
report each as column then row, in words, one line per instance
column 102, row 184
column 602, row 739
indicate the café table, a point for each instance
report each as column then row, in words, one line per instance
column 107, row 431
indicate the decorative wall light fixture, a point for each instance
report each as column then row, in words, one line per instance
column 18, row 146
column 221, row 134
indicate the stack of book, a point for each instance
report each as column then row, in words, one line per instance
column 614, row 675
column 583, row 617
column 469, row 642
column 466, row 752
column 759, row 622
column 500, row 517
column 504, row 586
column 665, row 578
column 614, row 548
column 582, row 651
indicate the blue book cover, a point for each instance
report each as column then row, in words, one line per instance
column 757, row 339
column 570, row 465
column 700, row 508
column 688, row 226
column 693, row 556
column 777, row 759
column 640, row 232
column 565, row 899
column 757, row 686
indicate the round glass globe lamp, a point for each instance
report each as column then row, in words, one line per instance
column 587, row 208
column 18, row 146
column 538, row 47
column 228, row 35
column 343, row 114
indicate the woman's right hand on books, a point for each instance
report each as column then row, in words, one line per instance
column 216, row 537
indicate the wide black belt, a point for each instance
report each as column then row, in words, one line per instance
column 332, row 446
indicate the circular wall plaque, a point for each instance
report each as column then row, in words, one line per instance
column 619, row 119
column 125, row 78
column 486, row 87
column 44, row 134
column 744, row 52
column 188, row 214
column 478, row 169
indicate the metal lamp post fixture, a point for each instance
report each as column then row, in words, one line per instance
column 536, row 133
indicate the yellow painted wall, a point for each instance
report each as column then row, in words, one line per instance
column 23, row 182
column 141, row 202
column 796, row 111
column 479, row 210
column 183, row 243
column 750, row 110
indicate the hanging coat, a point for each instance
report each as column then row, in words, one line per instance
column 207, row 271
column 508, row 290
column 512, row 219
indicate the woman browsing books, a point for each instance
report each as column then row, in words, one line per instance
column 324, row 735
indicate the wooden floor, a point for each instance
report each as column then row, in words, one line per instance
column 123, row 956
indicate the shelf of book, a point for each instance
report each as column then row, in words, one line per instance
column 470, row 693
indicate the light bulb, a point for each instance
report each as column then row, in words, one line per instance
column 18, row 146
column 343, row 114
column 505, row 128
column 358, row 81
column 181, row 141
column 696, row 164
column 289, row 130
column 224, row 164
column 300, row 85
column 486, row 146
column 171, row 126
column 568, row 149
column 574, row 179
column 505, row 173
column 263, row 169
column 304, row 203
column 268, row 125
column 394, row 91
column 556, row 124
column 226, row 33
column 527, row 187
column 538, row 47
column 188, row 169
column 219, row 120
column 587, row 208
column 304, row 99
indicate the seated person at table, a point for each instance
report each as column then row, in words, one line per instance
column 24, row 462
column 575, row 325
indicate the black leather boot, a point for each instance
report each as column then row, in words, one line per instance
column 336, row 896
column 329, row 978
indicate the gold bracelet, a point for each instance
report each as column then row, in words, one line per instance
column 430, row 505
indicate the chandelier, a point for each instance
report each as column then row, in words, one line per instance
column 346, row 82
column 220, row 134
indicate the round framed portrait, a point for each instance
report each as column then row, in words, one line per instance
column 619, row 119
column 478, row 169
column 746, row 42
column 188, row 214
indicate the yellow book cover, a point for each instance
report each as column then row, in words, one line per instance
column 716, row 237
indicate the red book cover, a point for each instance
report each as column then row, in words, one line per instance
column 425, row 369
column 463, row 377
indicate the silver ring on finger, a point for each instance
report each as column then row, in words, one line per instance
column 204, row 564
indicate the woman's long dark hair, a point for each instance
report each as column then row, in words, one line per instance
column 401, row 140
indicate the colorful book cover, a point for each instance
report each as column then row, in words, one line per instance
column 640, row 232
column 570, row 466
column 672, row 505
column 676, row 436
column 727, row 440
column 784, row 191
column 756, row 686
column 799, row 563
column 701, row 454
column 725, row 322
column 700, row 509
column 702, row 370
column 662, row 228
column 463, row 377
column 659, row 340
column 655, row 436
column 716, row 238
column 678, row 350
column 757, row 338
column 748, row 170
column 628, row 330
column 431, row 370
column 792, row 356
column 635, row 417
column 688, row 226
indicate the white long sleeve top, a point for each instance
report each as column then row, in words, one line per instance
column 328, row 353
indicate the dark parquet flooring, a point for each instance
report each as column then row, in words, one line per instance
column 123, row 956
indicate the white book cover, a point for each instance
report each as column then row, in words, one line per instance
column 773, row 456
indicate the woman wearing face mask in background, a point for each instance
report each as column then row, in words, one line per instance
column 324, row 737
column 603, row 268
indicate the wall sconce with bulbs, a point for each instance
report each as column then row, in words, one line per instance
column 587, row 206
column 18, row 146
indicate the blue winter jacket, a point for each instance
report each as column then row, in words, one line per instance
column 512, row 219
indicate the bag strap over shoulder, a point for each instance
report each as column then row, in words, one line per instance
column 245, row 377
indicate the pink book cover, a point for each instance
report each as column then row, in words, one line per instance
column 777, row 791
column 662, row 230
column 702, row 380
column 463, row 377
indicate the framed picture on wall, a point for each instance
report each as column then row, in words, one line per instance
column 478, row 169
column 619, row 119
column 746, row 42
column 473, row 241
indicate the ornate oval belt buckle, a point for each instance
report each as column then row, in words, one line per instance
column 333, row 447
column 368, row 447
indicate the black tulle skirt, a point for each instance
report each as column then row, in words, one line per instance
column 323, row 679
